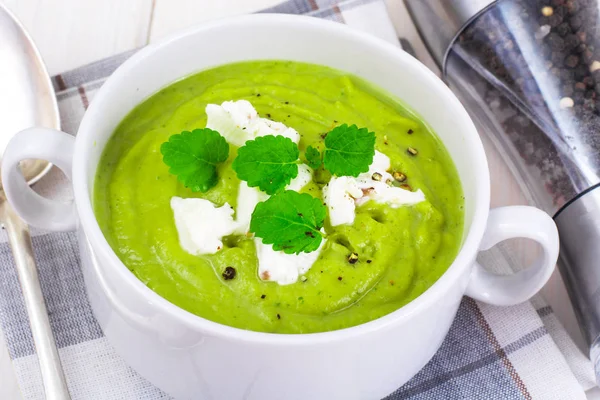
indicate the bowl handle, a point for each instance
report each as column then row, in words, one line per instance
column 42, row 144
column 515, row 222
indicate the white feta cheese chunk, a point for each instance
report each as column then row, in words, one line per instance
column 247, row 199
column 381, row 163
column 277, row 266
column 339, row 195
column 395, row 197
column 238, row 122
column 303, row 178
column 264, row 127
column 201, row 225
column 343, row 194
column 232, row 119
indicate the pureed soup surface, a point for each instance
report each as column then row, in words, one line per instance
column 403, row 251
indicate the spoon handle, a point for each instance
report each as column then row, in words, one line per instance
column 55, row 385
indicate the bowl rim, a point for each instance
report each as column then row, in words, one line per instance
column 427, row 299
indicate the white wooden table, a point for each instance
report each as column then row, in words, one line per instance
column 70, row 33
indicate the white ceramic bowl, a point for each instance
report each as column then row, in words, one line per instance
column 190, row 357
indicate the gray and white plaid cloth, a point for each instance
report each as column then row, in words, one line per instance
column 519, row 352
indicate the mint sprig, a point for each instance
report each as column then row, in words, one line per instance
column 313, row 157
column 349, row 150
column 267, row 162
column 193, row 157
column 290, row 221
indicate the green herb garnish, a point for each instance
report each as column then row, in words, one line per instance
column 290, row 221
column 348, row 150
column 193, row 157
column 269, row 162
column 313, row 157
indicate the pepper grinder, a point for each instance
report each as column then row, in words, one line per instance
column 528, row 71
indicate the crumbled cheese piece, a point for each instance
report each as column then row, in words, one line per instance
column 303, row 178
column 201, row 225
column 247, row 199
column 264, row 127
column 276, row 266
column 343, row 194
column 239, row 122
column 339, row 195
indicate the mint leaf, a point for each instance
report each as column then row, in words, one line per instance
column 193, row 157
column 348, row 150
column 269, row 162
column 290, row 221
column 313, row 157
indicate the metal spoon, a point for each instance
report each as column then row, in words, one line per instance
column 27, row 99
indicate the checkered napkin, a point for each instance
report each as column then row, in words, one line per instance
column 518, row 352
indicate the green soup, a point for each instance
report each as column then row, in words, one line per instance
column 402, row 251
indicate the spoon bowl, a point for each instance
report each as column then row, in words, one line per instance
column 22, row 64
column 27, row 99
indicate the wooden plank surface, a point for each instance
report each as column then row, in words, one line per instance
column 70, row 33
column 172, row 15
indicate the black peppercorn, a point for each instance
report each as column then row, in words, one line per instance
column 563, row 29
column 571, row 61
column 567, row 90
column 556, row 42
column 353, row 258
column 576, row 22
column 581, row 71
column 554, row 20
column 229, row 273
column 572, row 6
